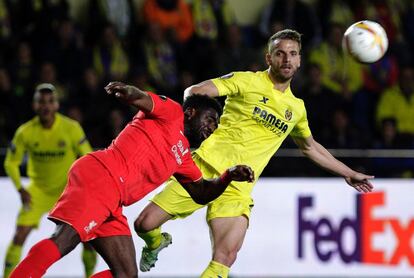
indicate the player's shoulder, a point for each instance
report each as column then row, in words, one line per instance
column 241, row 75
column 66, row 121
column 28, row 126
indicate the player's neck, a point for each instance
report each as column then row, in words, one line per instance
column 48, row 122
column 279, row 85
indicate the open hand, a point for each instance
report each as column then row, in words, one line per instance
column 241, row 173
column 26, row 198
column 360, row 182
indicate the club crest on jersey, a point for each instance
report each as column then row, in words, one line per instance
column 288, row 114
column 227, row 76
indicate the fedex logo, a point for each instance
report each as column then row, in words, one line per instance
column 328, row 238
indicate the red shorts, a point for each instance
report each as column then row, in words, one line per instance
column 91, row 202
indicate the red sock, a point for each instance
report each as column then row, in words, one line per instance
column 41, row 256
column 103, row 274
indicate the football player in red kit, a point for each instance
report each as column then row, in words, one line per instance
column 150, row 149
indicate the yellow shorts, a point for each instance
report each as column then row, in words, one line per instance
column 41, row 204
column 177, row 202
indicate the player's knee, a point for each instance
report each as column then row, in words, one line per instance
column 225, row 256
column 143, row 223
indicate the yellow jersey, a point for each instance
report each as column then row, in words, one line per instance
column 51, row 152
column 255, row 121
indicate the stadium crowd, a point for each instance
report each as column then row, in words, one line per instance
column 168, row 45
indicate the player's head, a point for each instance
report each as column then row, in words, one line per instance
column 201, row 116
column 45, row 101
column 283, row 56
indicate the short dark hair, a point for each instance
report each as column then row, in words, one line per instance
column 286, row 34
column 203, row 102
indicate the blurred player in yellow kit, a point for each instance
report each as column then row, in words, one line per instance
column 259, row 113
column 53, row 142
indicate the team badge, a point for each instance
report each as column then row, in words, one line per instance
column 288, row 114
column 227, row 76
column 61, row 143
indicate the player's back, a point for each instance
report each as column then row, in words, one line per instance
column 148, row 150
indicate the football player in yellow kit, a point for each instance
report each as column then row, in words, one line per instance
column 259, row 113
column 52, row 142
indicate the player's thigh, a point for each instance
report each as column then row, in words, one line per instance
column 228, row 232
column 118, row 252
column 41, row 203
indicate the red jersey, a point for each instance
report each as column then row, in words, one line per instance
column 150, row 149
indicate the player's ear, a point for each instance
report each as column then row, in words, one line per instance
column 268, row 58
column 189, row 112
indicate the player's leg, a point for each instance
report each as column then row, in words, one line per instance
column 14, row 250
column 27, row 220
column 119, row 253
column 227, row 235
column 170, row 203
column 228, row 218
column 89, row 258
column 46, row 252
column 148, row 224
column 148, row 227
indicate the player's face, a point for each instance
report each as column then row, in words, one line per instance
column 201, row 125
column 45, row 105
column 284, row 59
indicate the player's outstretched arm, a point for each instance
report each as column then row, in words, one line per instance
column 204, row 191
column 321, row 156
column 131, row 95
column 203, row 88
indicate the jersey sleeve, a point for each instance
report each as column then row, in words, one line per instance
column 14, row 157
column 188, row 171
column 302, row 129
column 232, row 83
column 164, row 108
column 81, row 144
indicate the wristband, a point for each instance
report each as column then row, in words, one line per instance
column 225, row 178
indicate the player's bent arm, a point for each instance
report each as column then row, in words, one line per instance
column 204, row 191
column 130, row 94
column 323, row 158
column 204, row 88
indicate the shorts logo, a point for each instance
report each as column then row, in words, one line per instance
column 90, row 226
column 288, row 114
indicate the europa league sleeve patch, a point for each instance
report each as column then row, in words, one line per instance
column 12, row 147
column 227, row 76
column 163, row 98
